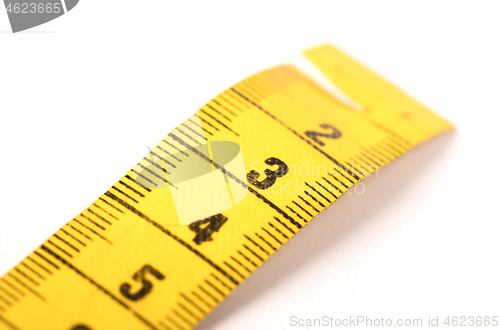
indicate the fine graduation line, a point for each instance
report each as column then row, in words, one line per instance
column 8, row 323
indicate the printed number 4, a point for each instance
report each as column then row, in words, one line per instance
column 147, row 286
column 210, row 225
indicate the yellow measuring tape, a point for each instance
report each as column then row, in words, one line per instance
column 279, row 150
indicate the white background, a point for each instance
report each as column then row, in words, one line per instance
column 83, row 96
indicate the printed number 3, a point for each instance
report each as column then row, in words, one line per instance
column 147, row 286
column 271, row 175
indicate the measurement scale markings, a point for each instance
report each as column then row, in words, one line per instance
column 73, row 237
column 12, row 296
column 296, row 213
column 93, row 231
column 220, row 113
column 195, row 123
column 326, row 189
column 246, row 258
column 334, row 186
column 265, row 241
column 98, row 216
column 233, row 177
column 156, row 165
column 59, row 248
column 300, row 207
column 13, row 287
column 374, row 156
column 66, row 242
column 92, row 221
column 7, row 302
column 184, row 308
column 188, row 136
column 387, row 151
column 360, row 173
column 250, row 95
column 255, row 245
column 380, row 153
column 222, row 97
column 8, row 323
column 27, row 287
column 78, row 231
column 47, row 260
column 169, row 233
column 33, row 271
column 223, row 107
column 100, row 287
column 299, row 136
column 192, row 130
column 26, row 276
column 315, row 209
column 399, row 152
column 177, row 325
column 241, row 265
column 219, row 122
column 329, row 201
column 360, row 166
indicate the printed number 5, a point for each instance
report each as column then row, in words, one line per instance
column 147, row 286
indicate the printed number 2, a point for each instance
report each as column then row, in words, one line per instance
column 270, row 175
column 313, row 135
column 147, row 286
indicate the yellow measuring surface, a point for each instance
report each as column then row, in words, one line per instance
column 135, row 259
